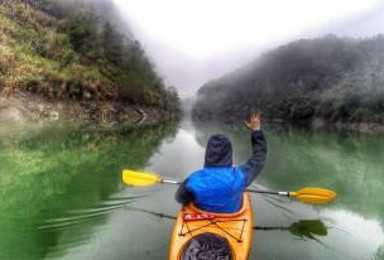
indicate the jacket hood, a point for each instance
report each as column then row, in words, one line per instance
column 218, row 152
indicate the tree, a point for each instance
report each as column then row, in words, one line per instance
column 113, row 44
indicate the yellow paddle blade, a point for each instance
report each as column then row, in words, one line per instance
column 140, row 179
column 313, row 195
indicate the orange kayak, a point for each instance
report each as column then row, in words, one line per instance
column 233, row 230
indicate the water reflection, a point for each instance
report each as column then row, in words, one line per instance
column 47, row 172
column 354, row 235
column 302, row 229
column 156, row 214
column 348, row 163
column 78, row 217
column 62, row 197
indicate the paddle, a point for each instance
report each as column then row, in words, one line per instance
column 308, row 194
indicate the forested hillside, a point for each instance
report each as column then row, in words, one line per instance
column 332, row 79
column 72, row 50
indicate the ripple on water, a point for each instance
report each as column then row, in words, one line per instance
column 82, row 216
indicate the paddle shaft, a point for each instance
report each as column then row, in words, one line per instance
column 281, row 193
column 170, row 181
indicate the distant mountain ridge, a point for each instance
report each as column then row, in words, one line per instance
column 332, row 79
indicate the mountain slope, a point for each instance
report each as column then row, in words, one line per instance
column 71, row 51
column 330, row 78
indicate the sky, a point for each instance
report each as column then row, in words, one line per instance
column 192, row 42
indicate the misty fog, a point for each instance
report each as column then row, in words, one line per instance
column 188, row 68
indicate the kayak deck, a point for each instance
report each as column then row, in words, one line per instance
column 236, row 228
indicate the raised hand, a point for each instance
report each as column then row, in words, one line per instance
column 254, row 121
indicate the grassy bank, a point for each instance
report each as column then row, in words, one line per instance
column 72, row 53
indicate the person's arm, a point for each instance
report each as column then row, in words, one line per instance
column 183, row 196
column 259, row 150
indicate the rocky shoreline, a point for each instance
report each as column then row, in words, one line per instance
column 315, row 124
column 23, row 107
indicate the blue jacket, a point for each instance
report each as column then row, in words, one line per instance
column 219, row 186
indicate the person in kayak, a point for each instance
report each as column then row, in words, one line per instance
column 219, row 186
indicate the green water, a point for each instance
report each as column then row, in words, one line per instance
column 62, row 198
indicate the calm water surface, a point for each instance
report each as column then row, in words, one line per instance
column 62, row 198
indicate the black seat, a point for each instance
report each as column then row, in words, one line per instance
column 207, row 246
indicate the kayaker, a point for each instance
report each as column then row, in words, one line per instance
column 219, row 186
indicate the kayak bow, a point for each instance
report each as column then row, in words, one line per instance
column 234, row 229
